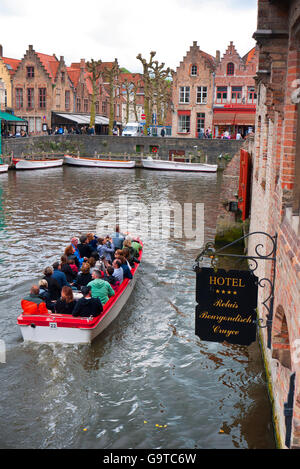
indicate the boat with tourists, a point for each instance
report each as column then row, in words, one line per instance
column 98, row 163
column 66, row 329
column 29, row 164
column 3, row 167
column 165, row 165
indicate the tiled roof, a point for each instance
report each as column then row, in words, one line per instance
column 74, row 75
column 248, row 57
column 50, row 63
column 11, row 64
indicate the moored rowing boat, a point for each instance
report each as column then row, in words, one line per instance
column 164, row 165
column 66, row 329
column 23, row 164
column 3, row 168
column 98, row 163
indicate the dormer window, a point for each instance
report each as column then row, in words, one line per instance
column 230, row 69
column 194, row 70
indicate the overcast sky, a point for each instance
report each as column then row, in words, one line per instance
column 121, row 29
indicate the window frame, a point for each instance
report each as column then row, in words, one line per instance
column 201, row 94
column 221, row 90
column 230, row 69
column 42, row 98
column 184, row 127
column 184, row 94
column 30, row 98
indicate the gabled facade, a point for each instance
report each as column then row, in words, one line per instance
column 40, row 85
column 235, row 94
column 193, row 85
column 133, row 97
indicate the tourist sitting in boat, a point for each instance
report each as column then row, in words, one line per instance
column 66, row 269
column 65, row 304
column 111, row 279
column 73, row 266
column 133, row 246
column 84, row 277
column 118, row 272
column 70, row 254
column 92, row 241
column 118, row 238
column 53, row 286
column 84, row 248
column 124, row 264
column 74, row 243
column 59, row 275
column 100, row 288
column 45, row 295
column 92, row 262
column 106, row 248
column 33, row 304
column 87, row 306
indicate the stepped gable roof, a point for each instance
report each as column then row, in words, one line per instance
column 209, row 59
column 50, row 64
column 74, row 75
column 11, row 64
column 251, row 56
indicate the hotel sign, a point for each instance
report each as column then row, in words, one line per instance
column 227, row 302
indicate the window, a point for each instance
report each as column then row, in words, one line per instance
column 30, row 98
column 97, row 107
column 42, row 98
column 78, row 103
column 19, row 98
column 118, row 110
column 200, row 122
column 67, row 100
column 104, row 108
column 252, row 96
column 184, row 124
column 38, row 124
column 221, row 94
column 30, row 72
column 184, row 95
column 201, row 94
column 236, row 95
column 194, row 70
column 62, row 77
column 230, row 69
column 85, row 105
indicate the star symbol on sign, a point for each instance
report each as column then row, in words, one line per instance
column 223, row 292
column 229, row 293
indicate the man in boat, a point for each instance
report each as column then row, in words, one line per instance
column 33, row 304
column 87, row 306
column 84, row 248
column 118, row 238
column 59, row 276
column 100, row 288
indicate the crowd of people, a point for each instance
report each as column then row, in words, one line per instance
column 89, row 273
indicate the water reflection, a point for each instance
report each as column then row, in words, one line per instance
column 148, row 368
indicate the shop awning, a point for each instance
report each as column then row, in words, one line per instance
column 184, row 113
column 5, row 116
column 85, row 119
column 234, row 119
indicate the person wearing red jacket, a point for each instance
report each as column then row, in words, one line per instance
column 33, row 305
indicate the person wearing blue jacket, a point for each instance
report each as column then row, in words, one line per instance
column 59, row 276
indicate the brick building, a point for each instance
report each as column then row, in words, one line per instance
column 40, row 85
column 193, row 84
column 235, row 94
column 275, row 207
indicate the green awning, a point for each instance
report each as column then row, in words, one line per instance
column 5, row 116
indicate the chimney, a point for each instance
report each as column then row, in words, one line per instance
column 218, row 56
column 1, row 51
column 195, row 44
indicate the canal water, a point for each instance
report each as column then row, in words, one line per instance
column 148, row 381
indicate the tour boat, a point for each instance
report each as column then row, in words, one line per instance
column 165, row 165
column 26, row 164
column 66, row 329
column 3, row 168
column 98, row 163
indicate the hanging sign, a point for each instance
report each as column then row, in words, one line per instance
column 227, row 302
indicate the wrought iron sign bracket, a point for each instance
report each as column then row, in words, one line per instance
column 209, row 252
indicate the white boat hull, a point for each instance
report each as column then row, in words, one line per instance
column 97, row 163
column 178, row 166
column 37, row 164
column 3, row 168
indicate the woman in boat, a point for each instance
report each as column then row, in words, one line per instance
column 66, row 269
column 125, row 265
column 84, row 277
column 106, row 248
column 92, row 262
column 45, row 295
column 66, row 304
column 92, row 241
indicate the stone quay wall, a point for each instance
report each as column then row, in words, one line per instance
column 85, row 145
